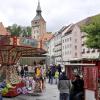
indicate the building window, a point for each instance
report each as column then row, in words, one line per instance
column 65, row 52
column 83, row 36
column 68, row 52
column 88, row 51
column 67, row 39
column 70, row 38
column 98, row 50
column 93, row 50
column 83, row 51
column 82, row 44
column 75, row 40
column 35, row 22
column 75, row 47
column 75, row 54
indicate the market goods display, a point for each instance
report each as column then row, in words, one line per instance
column 14, row 79
column 37, row 88
column 5, row 90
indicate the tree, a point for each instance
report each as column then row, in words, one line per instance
column 28, row 30
column 92, row 30
column 17, row 30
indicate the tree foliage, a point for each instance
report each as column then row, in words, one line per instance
column 92, row 30
column 17, row 30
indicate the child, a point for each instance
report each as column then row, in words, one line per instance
column 56, row 76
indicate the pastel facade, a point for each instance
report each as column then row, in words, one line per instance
column 58, row 46
column 69, row 44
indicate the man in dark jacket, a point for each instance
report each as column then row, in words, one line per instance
column 77, row 88
column 64, row 86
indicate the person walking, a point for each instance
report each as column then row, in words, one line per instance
column 26, row 70
column 64, row 86
column 59, row 69
column 49, row 76
column 53, row 70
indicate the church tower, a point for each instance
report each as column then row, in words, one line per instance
column 38, row 24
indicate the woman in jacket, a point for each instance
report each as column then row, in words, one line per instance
column 64, row 86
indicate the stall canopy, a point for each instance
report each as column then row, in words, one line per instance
column 12, row 48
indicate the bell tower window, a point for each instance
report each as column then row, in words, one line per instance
column 36, row 22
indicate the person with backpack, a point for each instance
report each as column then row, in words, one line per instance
column 53, row 70
column 64, row 86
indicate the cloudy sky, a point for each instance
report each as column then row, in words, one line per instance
column 57, row 13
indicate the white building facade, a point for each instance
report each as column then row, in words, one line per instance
column 50, row 54
column 58, row 46
column 71, row 43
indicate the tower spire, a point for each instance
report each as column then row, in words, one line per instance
column 38, row 8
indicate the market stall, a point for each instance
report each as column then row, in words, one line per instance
column 89, row 72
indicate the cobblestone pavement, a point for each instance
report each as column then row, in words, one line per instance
column 51, row 93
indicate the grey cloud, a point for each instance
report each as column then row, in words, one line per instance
column 57, row 13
